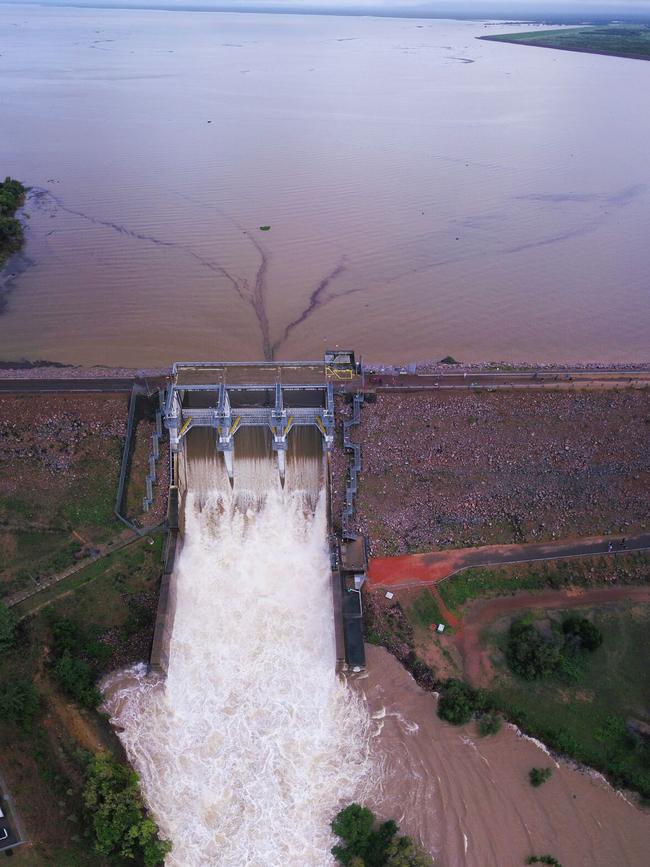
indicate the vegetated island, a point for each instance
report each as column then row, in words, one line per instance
column 615, row 40
column 12, row 196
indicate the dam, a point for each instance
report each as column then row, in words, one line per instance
column 245, row 737
column 209, row 407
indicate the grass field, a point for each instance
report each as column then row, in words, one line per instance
column 112, row 604
column 618, row 40
column 584, row 712
column 585, row 572
column 424, row 612
column 58, row 479
column 122, row 568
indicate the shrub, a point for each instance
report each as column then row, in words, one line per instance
column 538, row 776
column 581, row 634
column 531, row 654
column 365, row 845
column 113, row 804
column 11, row 232
column 459, row 702
column 75, row 676
column 7, row 627
column 19, row 702
column 139, row 617
column 543, row 859
column 489, row 724
column 11, row 195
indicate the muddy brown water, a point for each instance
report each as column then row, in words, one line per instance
column 428, row 193
column 468, row 799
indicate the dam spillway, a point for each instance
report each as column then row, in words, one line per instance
column 275, row 405
column 250, row 743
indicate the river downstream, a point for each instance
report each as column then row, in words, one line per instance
column 468, row 798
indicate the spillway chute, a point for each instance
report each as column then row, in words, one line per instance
column 249, row 745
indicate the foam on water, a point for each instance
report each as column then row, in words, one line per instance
column 251, row 743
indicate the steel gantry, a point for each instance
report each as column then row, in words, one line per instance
column 277, row 396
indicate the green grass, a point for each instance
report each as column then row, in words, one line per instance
column 584, row 713
column 85, row 507
column 424, row 611
column 43, row 552
column 120, row 571
column 619, row 40
column 89, row 504
column 474, row 583
column 485, row 583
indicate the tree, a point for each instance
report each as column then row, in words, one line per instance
column 543, row 859
column 489, row 724
column 581, row 634
column 120, row 822
column 531, row 654
column 537, row 776
column 368, row 846
column 75, row 677
column 7, row 627
column 403, row 852
column 353, row 825
column 459, row 702
column 66, row 636
column 11, row 195
column 19, row 702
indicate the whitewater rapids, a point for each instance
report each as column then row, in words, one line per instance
column 252, row 742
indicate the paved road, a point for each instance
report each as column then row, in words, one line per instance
column 411, row 570
column 471, row 379
column 510, row 379
column 44, row 386
column 57, row 386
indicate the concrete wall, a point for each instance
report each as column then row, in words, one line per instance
column 159, row 659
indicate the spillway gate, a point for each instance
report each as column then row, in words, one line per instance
column 228, row 396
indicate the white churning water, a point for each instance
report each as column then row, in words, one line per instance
column 248, row 747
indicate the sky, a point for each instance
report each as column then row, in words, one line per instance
column 512, row 9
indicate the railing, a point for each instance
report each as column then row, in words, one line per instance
column 126, row 456
column 154, row 454
column 354, row 466
column 252, row 415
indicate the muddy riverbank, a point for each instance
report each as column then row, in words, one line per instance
column 468, row 799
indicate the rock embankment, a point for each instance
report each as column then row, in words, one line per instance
column 465, row 469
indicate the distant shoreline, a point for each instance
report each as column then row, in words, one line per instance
column 479, row 14
column 631, row 41
column 564, row 48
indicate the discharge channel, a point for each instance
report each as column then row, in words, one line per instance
column 248, row 747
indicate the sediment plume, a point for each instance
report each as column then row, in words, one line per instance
column 248, row 747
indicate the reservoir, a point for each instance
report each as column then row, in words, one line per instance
column 427, row 193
